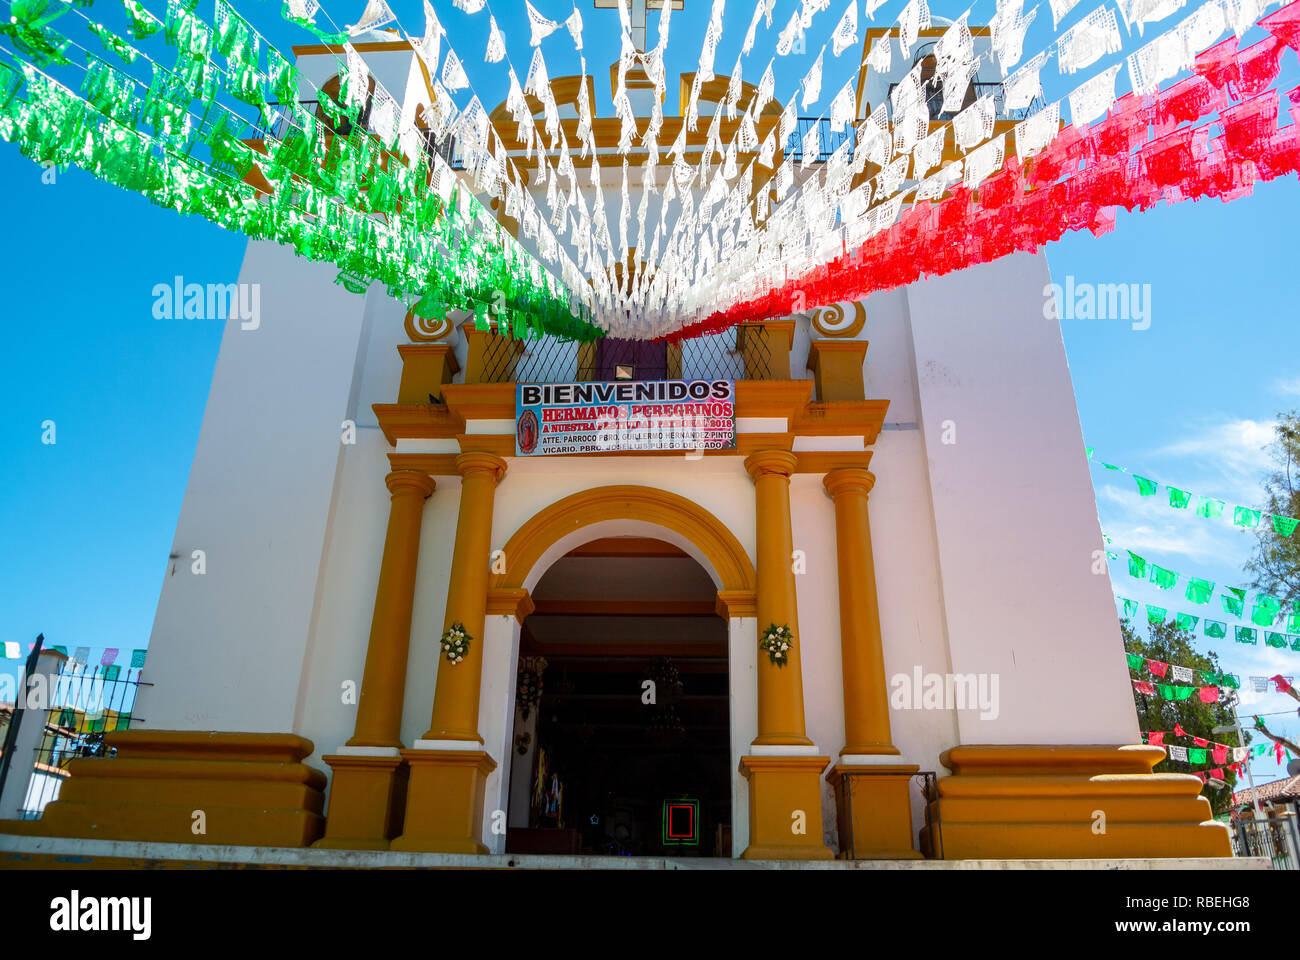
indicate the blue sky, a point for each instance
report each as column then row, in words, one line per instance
column 89, row 520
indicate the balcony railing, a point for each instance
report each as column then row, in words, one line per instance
column 743, row 353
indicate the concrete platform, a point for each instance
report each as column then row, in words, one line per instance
column 44, row 853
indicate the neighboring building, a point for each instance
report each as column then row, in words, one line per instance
column 1276, row 798
column 918, row 512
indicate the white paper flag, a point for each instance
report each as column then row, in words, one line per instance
column 842, row 107
column 812, row 82
column 496, row 47
column 540, row 26
column 453, row 74
column 376, row 15
column 1036, row 132
column 1093, row 98
column 880, row 56
column 914, row 18
column 846, row 31
column 1088, row 41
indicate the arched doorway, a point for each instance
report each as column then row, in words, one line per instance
column 622, row 741
column 722, row 579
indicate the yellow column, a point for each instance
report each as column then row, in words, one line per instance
column 866, row 695
column 369, row 774
column 455, row 702
column 783, row 768
column 379, row 708
column 444, row 801
column 780, row 689
column 872, row 789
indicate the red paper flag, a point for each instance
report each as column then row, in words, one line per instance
column 1200, row 775
column 1279, row 751
column 1197, row 741
column 1179, row 731
column 1156, row 737
column 1145, row 686
column 1217, row 773
column 1209, row 694
column 1158, row 668
column 1285, row 24
column 1220, row 753
column 1282, row 685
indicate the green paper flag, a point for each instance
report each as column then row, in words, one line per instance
column 1146, row 487
column 1246, row 635
column 1137, row 566
column 1196, row 754
column 1110, row 466
column 1130, row 608
column 1245, row 517
column 1275, row 640
column 1209, row 507
column 1187, row 622
column 1235, row 603
column 1089, row 450
column 1162, row 578
column 1265, row 611
column 1135, row 661
column 111, row 672
column 1178, row 498
column 1295, row 643
column 1284, row 526
column 1198, row 590
column 1215, row 630
column 137, row 658
column 1156, row 615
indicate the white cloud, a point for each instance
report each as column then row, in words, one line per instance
column 1288, row 387
column 1237, row 450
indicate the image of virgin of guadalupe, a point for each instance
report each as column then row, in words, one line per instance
column 526, row 432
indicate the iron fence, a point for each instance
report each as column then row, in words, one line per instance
column 926, row 781
column 742, row 353
column 85, row 703
column 449, row 148
column 1276, row 840
column 829, row 141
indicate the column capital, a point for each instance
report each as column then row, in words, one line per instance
column 848, row 480
column 478, row 462
column 779, row 462
column 409, row 482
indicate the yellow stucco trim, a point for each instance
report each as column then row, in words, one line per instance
column 1091, row 801
column 619, row 502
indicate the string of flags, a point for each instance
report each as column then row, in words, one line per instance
column 1206, row 694
column 1184, row 674
column 380, row 206
column 1211, row 629
column 1208, row 507
column 104, row 657
column 1265, row 611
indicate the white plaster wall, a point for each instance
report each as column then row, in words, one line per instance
column 1014, row 510
column 227, row 647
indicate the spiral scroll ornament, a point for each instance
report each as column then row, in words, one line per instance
column 840, row 320
column 426, row 329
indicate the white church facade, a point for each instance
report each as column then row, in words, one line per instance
column 906, row 494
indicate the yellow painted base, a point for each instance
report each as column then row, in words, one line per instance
column 1069, row 802
column 366, row 802
column 444, row 801
column 875, row 811
column 785, row 793
column 248, row 789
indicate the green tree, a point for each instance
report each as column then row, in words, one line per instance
column 1276, row 563
column 1167, row 644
